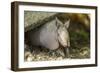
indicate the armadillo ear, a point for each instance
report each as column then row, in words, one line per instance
column 67, row 23
column 58, row 21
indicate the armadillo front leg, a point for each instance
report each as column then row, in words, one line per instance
column 66, row 51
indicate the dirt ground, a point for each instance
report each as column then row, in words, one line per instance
column 42, row 54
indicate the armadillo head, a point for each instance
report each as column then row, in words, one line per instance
column 63, row 35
